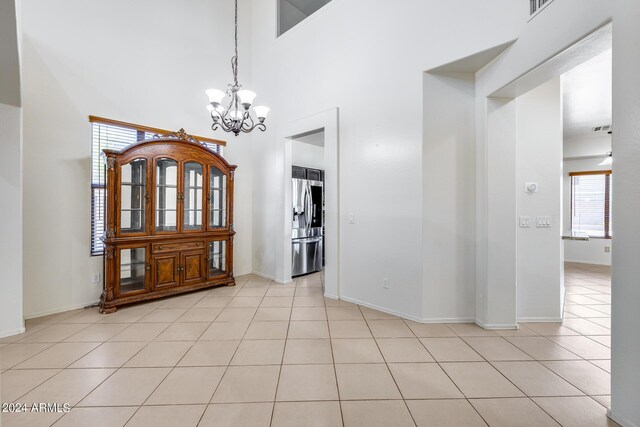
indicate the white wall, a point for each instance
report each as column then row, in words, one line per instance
column 11, row 311
column 625, row 339
column 145, row 62
column 375, row 77
column 555, row 28
column 593, row 251
column 448, row 204
column 496, row 210
column 308, row 154
column 594, row 144
column 540, row 276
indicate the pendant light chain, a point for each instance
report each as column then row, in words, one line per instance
column 234, row 60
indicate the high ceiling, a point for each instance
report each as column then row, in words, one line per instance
column 586, row 92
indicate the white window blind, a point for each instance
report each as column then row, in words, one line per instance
column 108, row 136
column 591, row 203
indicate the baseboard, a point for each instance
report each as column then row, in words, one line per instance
column 578, row 261
column 382, row 309
column 335, row 297
column 449, row 320
column 60, row 310
column 5, row 334
column 496, row 326
column 623, row 422
column 540, row 319
column 404, row 315
column 266, row 276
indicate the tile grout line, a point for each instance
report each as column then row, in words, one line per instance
column 170, row 370
column 226, row 369
column 284, row 349
column 463, row 338
column 387, row 364
column 333, row 358
column 447, row 374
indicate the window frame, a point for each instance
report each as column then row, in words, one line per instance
column 98, row 189
column 607, row 200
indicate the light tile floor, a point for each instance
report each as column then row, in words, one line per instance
column 262, row 354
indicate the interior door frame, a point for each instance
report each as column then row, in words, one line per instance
column 328, row 122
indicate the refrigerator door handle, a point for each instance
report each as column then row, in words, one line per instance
column 306, row 240
column 308, row 215
column 305, row 214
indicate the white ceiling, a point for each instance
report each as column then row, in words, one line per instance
column 586, row 92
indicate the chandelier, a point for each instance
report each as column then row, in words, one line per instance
column 234, row 113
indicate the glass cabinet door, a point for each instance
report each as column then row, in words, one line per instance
column 133, row 269
column 217, row 257
column 217, row 199
column 192, row 202
column 166, row 195
column 133, row 189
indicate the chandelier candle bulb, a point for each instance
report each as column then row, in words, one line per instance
column 234, row 115
column 261, row 111
column 215, row 96
column 246, row 97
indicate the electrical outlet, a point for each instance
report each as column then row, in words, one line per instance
column 95, row 278
column 607, row 248
column 385, row 283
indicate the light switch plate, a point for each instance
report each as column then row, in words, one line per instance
column 525, row 221
column 352, row 218
column 543, row 221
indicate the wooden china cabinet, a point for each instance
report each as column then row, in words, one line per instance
column 169, row 220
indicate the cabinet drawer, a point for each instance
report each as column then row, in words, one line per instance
column 176, row 246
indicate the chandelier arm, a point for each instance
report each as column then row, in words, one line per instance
column 250, row 122
column 228, row 109
column 225, row 125
column 260, row 126
column 240, row 123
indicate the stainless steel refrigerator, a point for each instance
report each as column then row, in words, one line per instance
column 307, row 228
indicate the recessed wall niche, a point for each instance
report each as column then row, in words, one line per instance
column 292, row 12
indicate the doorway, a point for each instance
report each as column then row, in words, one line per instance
column 301, row 139
column 307, row 194
column 526, row 123
column 554, row 180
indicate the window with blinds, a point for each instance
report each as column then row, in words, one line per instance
column 110, row 136
column 591, row 203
